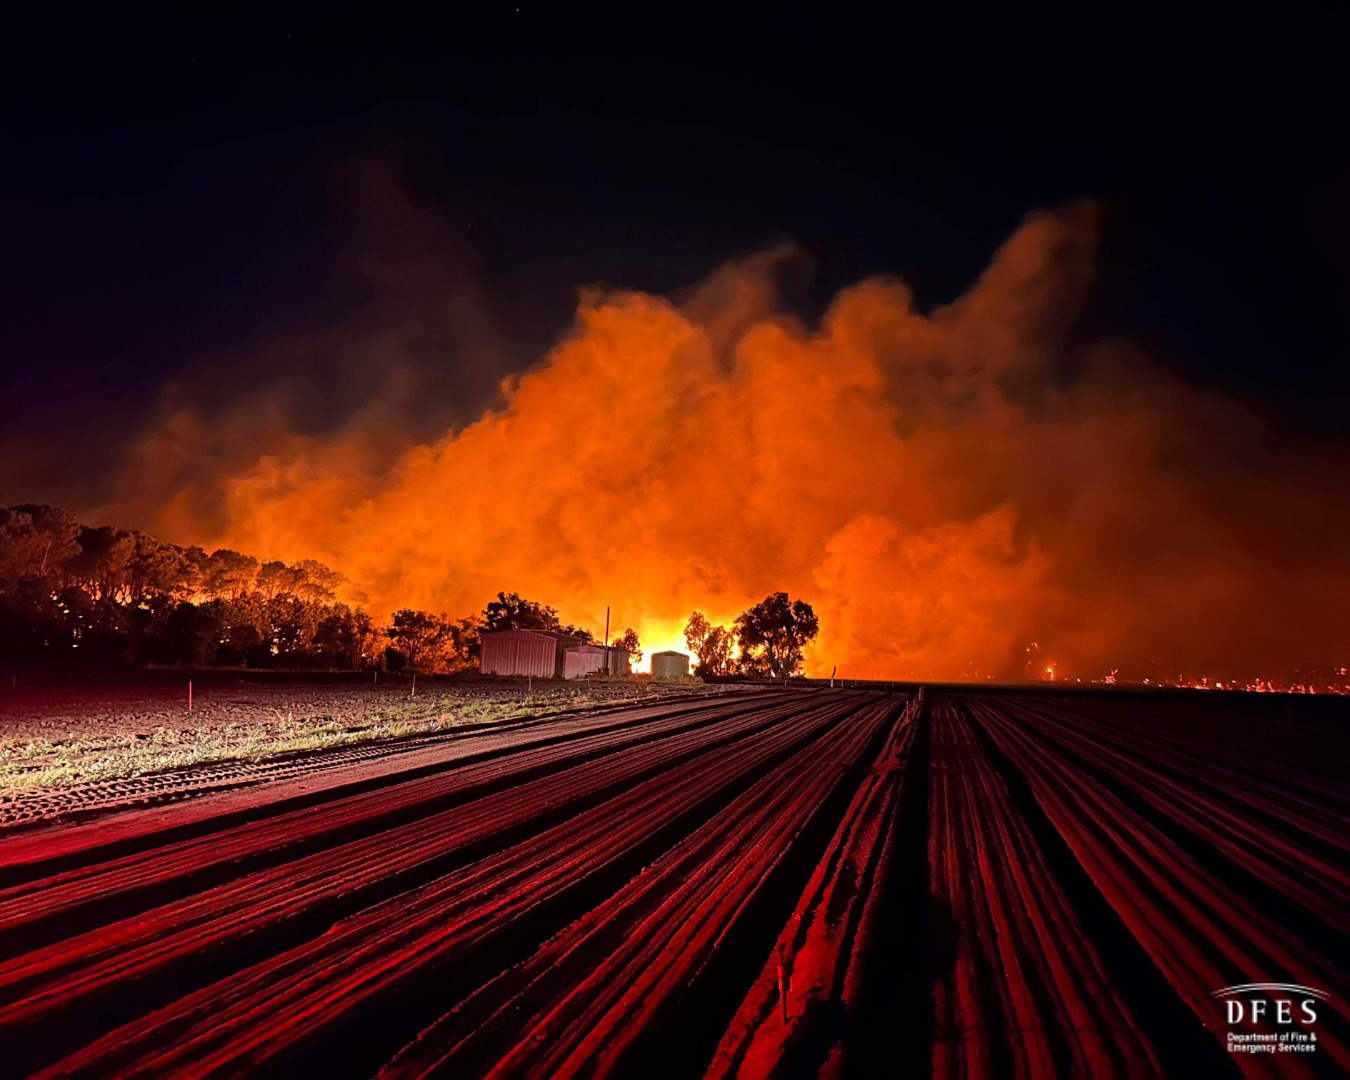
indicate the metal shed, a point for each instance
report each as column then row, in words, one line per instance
column 583, row 660
column 525, row 652
column 670, row 665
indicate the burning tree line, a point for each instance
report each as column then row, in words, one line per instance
column 765, row 640
column 74, row 593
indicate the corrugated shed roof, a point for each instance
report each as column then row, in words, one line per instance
column 540, row 633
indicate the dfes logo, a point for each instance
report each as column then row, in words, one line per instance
column 1271, row 1018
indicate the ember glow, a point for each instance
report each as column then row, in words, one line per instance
column 943, row 487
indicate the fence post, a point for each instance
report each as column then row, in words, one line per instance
column 783, row 983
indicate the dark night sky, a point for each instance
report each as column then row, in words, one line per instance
column 180, row 188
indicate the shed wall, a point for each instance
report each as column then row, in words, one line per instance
column 588, row 659
column 583, row 661
column 523, row 652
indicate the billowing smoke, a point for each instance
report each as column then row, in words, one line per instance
column 944, row 488
column 417, row 348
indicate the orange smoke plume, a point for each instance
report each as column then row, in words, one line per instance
column 943, row 487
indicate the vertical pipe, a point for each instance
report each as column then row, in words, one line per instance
column 189, row 695
column 609, row 667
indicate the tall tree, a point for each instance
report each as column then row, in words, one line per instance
column 158, row 569
column 416, row 634
column 228, row 574
column 466, row 639
column 345, row 638
column 717, row 658
column 511, row 611
column 314, row 581
column 628, row 643
column 36, row 541
column 103, row 565
column 774, row 631
column 190, row 635
column 275, row 579
column 291, row 624
column 711, row 644
column 696, row 632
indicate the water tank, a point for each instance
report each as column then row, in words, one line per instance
column 670, row 665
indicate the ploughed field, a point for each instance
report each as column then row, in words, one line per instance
column 75, row 749
column 788, row 882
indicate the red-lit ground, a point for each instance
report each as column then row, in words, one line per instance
column 796, row 882
column 68, row 752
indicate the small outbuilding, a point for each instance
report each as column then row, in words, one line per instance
column 670, row 665
column 538, row 653
column 582, row 660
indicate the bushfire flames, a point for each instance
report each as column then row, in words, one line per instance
column 942, row 486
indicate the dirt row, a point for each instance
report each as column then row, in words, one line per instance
column 1188, row 881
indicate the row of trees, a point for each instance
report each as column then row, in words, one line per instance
column 765, row 640
column 72, row 593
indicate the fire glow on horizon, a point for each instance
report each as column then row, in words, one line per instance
column 941, row 487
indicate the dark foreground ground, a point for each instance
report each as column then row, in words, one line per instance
column 784, row 882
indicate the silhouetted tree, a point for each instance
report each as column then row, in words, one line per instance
column 291, row 624
column 228, row 574
column 103, row 563
column 316, row 581
column 158, row 569
column 696, row 632
column 416, row 634
column 276, row 579
column 628, row 642
column 511, row 611
column 34, row 626
column 773, row 632
column 711, row 645
column 466, row 637
column 75, row 593
column 36, row 541
column 345, row 638
column 248, row 628
column 190, row 636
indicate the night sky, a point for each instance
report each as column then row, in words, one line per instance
column 183, row 191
